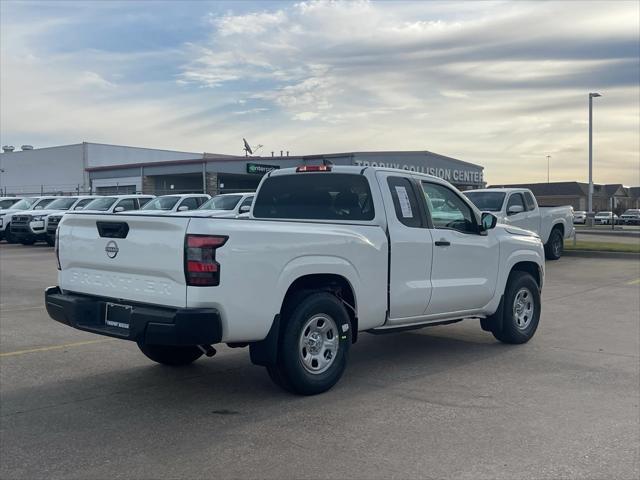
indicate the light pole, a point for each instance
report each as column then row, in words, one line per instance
column 548, row 166
column 591, row 97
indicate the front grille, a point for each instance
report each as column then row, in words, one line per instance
column 21, row 219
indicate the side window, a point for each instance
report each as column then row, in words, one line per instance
column 447, row 209
column 246, row 202
column 128, row 204
column 405, row 201
column 143, row 201
column 82, row 203
column 528, row 198
column 191, row 203
column 516, row 200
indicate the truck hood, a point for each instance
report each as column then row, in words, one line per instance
column 206, row 213
column 147, row 212
column 517, row 230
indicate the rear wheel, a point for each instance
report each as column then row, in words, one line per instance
column 314, row 346
column 555, row 246
column 521, row 312
column 171, row 355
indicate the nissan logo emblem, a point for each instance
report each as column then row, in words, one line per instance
column 111, row 249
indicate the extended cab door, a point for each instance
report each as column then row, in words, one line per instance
column 465, row 262
column 411, row 247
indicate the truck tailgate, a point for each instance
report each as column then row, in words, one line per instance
column 129, row 257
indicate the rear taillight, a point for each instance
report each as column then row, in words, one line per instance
column 200, row 266
column 314, row 168
column 57, row 248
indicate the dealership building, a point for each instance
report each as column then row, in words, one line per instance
column 109, row 169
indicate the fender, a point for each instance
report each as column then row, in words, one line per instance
column 318, row 264
column 512, row 259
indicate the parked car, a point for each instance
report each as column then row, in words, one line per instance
column 605, row 218
column 330, row 252
column 580, row 216
column 27, row 203
column 168, row 204
column 117, row 203
column 225, row 205
column 31, row 226
column 518, row 206
column 6, row 202
column 630, row 217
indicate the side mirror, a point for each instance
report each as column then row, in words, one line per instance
column 488, row 221
column 513, row 209
column 183, row 208
column 245, row 208
column 79, row 207
column 38, row 208
column 118, row 209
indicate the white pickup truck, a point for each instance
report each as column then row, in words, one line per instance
column 327, row 253
column 518, row 206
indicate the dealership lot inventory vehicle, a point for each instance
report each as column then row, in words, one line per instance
column 580, row 216
column 32, row 226
column 226, row 205
column 118, row 203
column 630, row 217
column 332, row 251
column 518, row 206
column 605, row 218
column 168, row 204
column 27, row 203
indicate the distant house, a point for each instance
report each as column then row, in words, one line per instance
column 576, row 194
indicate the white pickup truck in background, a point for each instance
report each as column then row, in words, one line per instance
column 328, row 252
column 518, row 206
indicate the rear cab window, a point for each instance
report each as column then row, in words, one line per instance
column 530, row 202
column 315, row 196
column 405, row 201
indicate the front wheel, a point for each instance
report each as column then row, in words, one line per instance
column 51, row 241
column 314, row 346
column 555, row 246
column 8, row 236
column 171, row 355
column 27, row 242
column 521, row 311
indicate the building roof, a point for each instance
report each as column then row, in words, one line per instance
column 570, row 189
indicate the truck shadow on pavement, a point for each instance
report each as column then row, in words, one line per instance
column 229, row 384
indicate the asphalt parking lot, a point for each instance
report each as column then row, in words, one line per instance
column 442, row 402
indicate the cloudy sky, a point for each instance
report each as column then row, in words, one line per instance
column 502, row 84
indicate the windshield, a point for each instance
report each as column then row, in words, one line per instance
column 221, row 202
column 7, row 203
column 161, row 203
column 486, row 201
column 62, row 203
column 632, row 212
column 43, row 202
column 24, row 204
column 103, row 204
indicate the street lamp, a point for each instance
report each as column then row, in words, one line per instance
column 548, row 166
column 591, row 97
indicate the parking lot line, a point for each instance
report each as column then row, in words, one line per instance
column 54, row 347
column 634, row 282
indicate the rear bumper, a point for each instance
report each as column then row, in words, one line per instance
column 147, row 324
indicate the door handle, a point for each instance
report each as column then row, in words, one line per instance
column 442, row 243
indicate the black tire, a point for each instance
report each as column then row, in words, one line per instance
column 511, row 331
column 27, row 242
column 51, row 241
column 171, row 355
column 8, row 236
column 555, row 246
column 317, row 310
